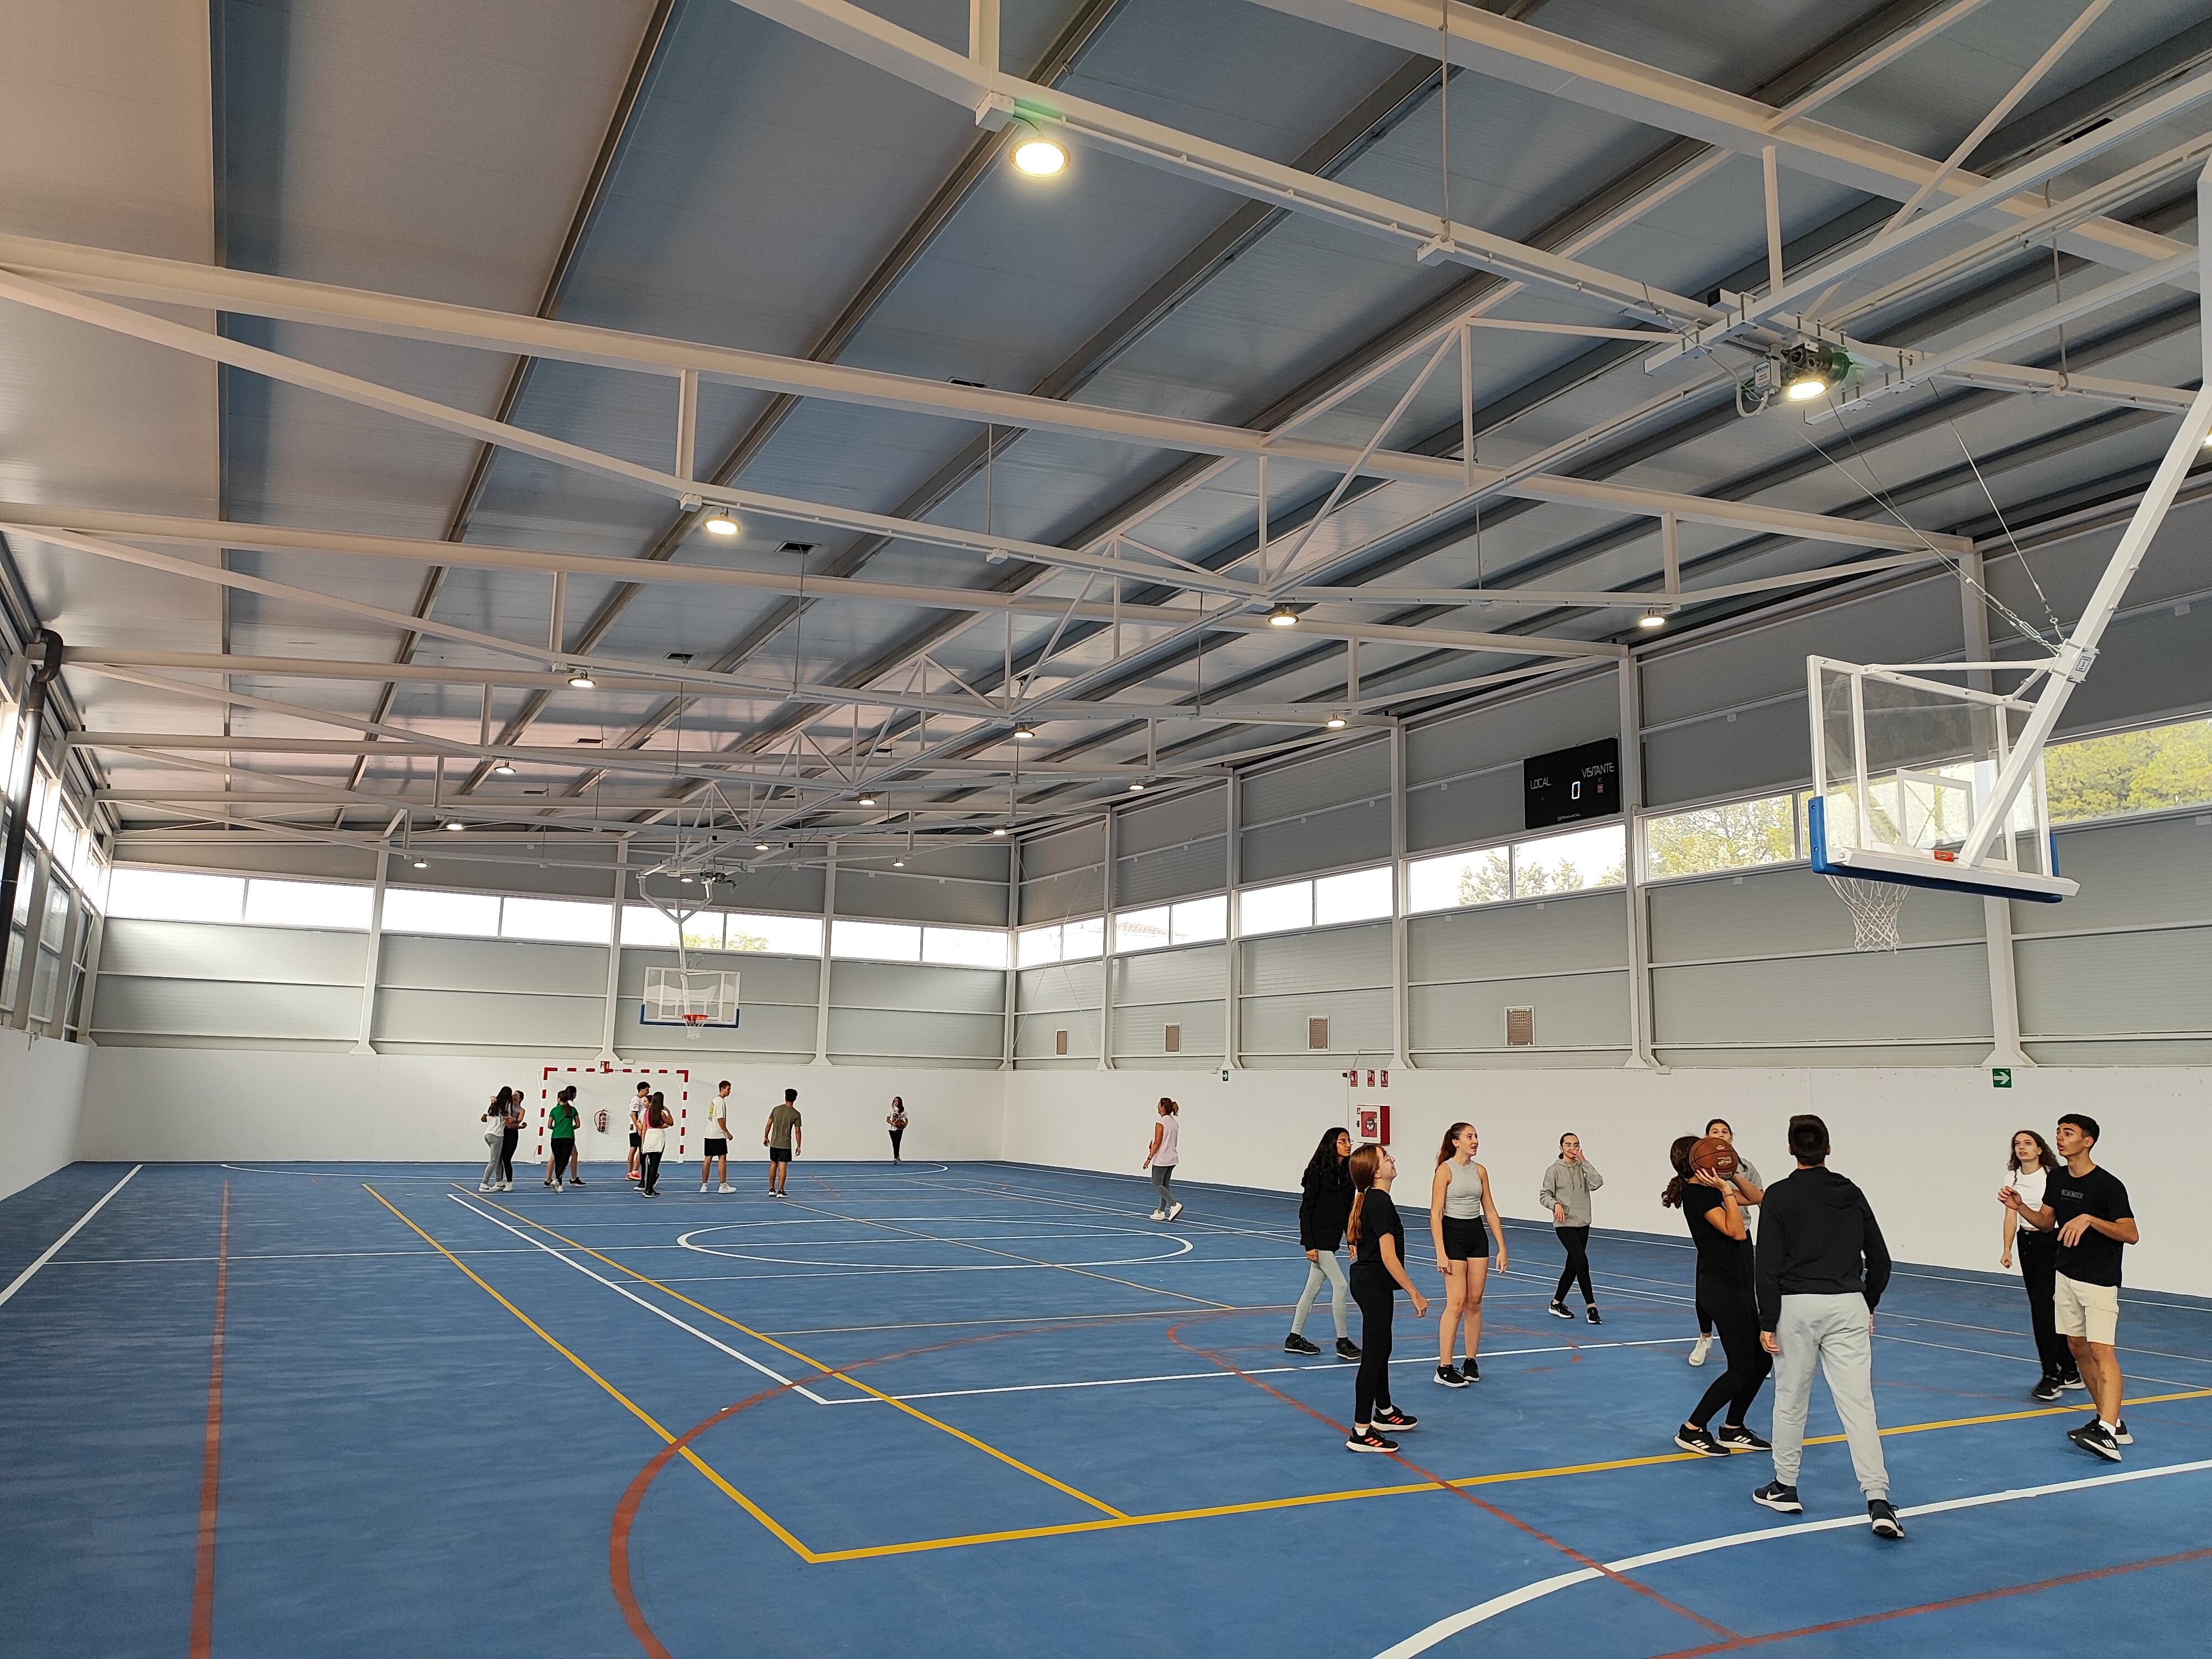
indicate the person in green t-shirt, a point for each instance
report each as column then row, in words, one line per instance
column 781, row 1137
column 560, row 1129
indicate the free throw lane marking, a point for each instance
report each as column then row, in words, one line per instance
column 1422, row 1640
column 48, row 1253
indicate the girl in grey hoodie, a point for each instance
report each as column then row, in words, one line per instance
column 1565, row 1192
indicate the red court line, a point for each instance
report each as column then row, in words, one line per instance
column 203, row 1635
column 1975, row 1599
column 1460, row 1492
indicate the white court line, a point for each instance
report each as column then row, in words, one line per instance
column 659, row 1313
column 303, row 1256
column 319, row 1174
column 76, row 1227
column 1251, row 1370
column 1421, row 1641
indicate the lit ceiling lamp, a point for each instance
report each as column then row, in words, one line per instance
column 505, row 768
column 582, row 680
column 1335, row 723
column 1652, row 618
column 719, row 522
column 421, row 864
column 455, row 824
column 1807, row 372
column 760, row 847
column 684, row 879
column 998, row 829
column 1138, row 787
column 1024, row 732
column 1034, row 153
column 868, row 800
column 898, row 864
column 1282, row 617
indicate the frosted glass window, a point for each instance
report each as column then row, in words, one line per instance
column 1037, row 947
column 645, row 927
column 1142, row 930
column 420, row 910
column 878, row 941
column 964, row 947
column 1083, row 941
column 1275, row 910
column 1198, row 920
column 776, row 936
column 1483, row 876
column 168, row 896
column 1356, row 896
column 1568, row 864
column 307, row 904
column 568, row 922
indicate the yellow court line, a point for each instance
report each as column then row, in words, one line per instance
column 1007, row 1458
column 629, row 1405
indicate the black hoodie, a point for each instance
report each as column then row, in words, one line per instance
column 1326, row 1206
column 1815, row 1230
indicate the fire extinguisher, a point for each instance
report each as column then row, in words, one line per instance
column 599, row 1120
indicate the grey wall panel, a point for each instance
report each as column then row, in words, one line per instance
column 1193, row 975
column 761, row 979
column 1572, row 1010
column 188, row 949
column 2151, row 662
column 1962, row 1051
column 2114, row 983
column 1080, row 892
column 413, row 963
column 1140, row 1033
column 477, row 1021
column 234, row 1009
column 1321, row 840
column 1034, row 1035
column 1510, row 729
column 1063, row 985
column 2088, row 1052
column 1172, row 822
column 1912, row 996
column 892, row 987
column 1785, row 913
column 902, row 895
column 897, row 1033
column 1172, row 873
column 1359, row 1024
column 1493, row 941
column 2136, row 874
column 1336, row 959
column 1763, row 749
column 1064, row 850
column 1488, row 805
column 1343, row 773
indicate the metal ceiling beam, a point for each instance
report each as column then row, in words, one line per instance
column 1561, row 68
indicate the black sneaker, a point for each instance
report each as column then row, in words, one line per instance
column 1389, row 1417
column 2094, row 1436
column 2049, row 1388
column 1560, row 1311
column 1882, row 1515
column 1776, row 1495
column 1295, row 1344
column 2073, row 1380
column 1738, row 1437
column 1692, row 1439
column 1469, row 1369
column 1590, row 1314
column 1371, row 1442
column 1450, row 1377
column 2120, row 1433
column 1346, row 1348
column 577, row 1180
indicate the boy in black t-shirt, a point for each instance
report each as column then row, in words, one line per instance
column 2089, row 1207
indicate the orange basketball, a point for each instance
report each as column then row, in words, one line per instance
column 1714, row 1156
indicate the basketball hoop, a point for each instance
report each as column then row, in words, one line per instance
column 695, row 1027
column 1874, row 907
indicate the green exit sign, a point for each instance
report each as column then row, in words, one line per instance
column 2000, row 1077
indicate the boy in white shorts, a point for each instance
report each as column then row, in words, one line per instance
column 2089, row 1207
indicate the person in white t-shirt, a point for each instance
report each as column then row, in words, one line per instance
column 2029, row 1168
column 1161, row 1159
column 716, row 1142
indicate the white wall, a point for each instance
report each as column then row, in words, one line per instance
column 41, row 1096
column 1927, row 1145
column 194, row 1104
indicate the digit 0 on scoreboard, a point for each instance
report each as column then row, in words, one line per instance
column 1571, row 784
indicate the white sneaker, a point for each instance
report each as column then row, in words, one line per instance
column 702, row 1188
column 1704, row 1346
column 1174, row 1210
column 507, row 1186
column 485, row 1187
column 725, row 1188
column 1159, row 1215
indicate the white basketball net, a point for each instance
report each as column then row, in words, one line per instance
column 1874, row 907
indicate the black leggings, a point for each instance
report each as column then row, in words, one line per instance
column 652, row 1172
column 1375, row 1292
column 564, row 1154
column 897, row 1135
column 507, row 1143
column 1575, row 1240
column 1749, row 1365
column 2038, row 1271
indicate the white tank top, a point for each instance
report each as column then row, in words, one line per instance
column 1171, row 1126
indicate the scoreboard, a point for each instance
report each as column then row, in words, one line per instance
column 1568, row 784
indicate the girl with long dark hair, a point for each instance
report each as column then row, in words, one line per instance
column 1378, row 1273
column 652, row 1142
column 493, row 1118
column 1714, row 1209
column 2030, row 1167
column 1323, row 1210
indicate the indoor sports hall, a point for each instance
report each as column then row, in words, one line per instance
column 1308, row 828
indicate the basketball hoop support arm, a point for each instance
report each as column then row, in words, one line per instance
column 2079, row 650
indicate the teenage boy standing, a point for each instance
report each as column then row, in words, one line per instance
column 716, row 1144
column 1820, row 1267
column 781, row 1137
column 2088, row 1205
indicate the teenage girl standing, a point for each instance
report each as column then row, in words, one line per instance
column 1565, row 1193
column 1750, row 1188
column 652, row 1140
column 897, row 1121
column 1714, row 1209
column 493, row 1118
column 1161, row 1160
column 1378, row 1273
column 637, row 1109
column 2032, row 1162
column 1460, row 1208
column 1323, row 1208
column 560, row 1129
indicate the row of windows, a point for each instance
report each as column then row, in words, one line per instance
column 56, row 826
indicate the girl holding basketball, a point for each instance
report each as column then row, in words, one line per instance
column 1714, row 1210
column 1460, row 1208
column 652, row 1142
column 1377, row 1234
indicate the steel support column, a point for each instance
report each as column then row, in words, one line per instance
column 1013, row 954
column 1997, row 913
column 829, row 929
column 1106, row 960
column 614, row 950
column 1401, row 1012
column 1640, row 1055
column 372, row 960
column 1233, row 1019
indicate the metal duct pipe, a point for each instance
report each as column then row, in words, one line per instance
column 29, row 722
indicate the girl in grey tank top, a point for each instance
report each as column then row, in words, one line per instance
column 1463, row 1191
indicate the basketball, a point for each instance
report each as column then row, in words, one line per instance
column 1714, row 1156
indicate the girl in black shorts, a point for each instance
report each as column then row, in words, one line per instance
column 1459, row 1209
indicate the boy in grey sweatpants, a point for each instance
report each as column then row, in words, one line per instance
column 1821, row 1267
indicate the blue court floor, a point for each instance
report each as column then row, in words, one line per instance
column 983, row 1409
